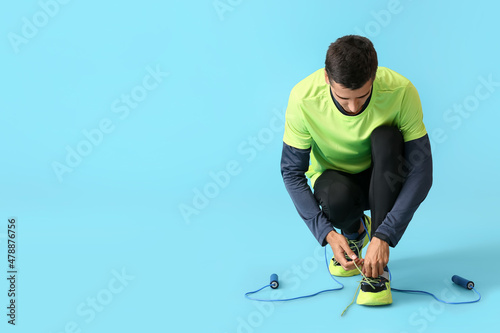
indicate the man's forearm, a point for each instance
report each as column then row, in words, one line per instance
column 294, row 164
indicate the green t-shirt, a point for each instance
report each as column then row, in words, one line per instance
column 342, row 142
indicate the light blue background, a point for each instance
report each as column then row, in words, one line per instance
column 229, row 76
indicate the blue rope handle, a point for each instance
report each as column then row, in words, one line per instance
column 294, row 298
column 422, row 291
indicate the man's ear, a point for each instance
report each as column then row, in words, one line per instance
column 326, row 77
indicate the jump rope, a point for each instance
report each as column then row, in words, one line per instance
column 274, row 284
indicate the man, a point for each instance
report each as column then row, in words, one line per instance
column 361, row 126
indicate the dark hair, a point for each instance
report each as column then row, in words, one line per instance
column 351, row 61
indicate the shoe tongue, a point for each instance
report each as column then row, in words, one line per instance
column 385, row 275
column 352, row 237
column 362, row 236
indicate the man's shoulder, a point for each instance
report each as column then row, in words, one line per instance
column 389, row 79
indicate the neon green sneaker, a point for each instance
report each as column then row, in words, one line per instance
column 368, row 223
column 375, row 291
column 356, row 246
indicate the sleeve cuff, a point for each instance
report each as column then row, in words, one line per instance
column 383, row 237
column 322, row 236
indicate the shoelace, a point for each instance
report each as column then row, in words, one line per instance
column 369, row 281
column 353, row 246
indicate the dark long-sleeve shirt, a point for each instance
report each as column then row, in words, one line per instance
column 417, row 183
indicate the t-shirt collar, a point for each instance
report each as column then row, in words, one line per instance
column 341, row 109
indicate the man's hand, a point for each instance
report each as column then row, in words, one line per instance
column 340, row 247
column 376, row 258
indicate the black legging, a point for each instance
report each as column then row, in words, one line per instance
column 344, row 197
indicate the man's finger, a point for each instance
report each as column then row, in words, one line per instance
column 367, row 270
column 349, row 266
column 349, row 252
column 380, row 268
column 375, row 270
column 340, row 257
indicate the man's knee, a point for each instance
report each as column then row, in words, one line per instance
column 386, row 134
column 343, row 207
column 386, row 141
